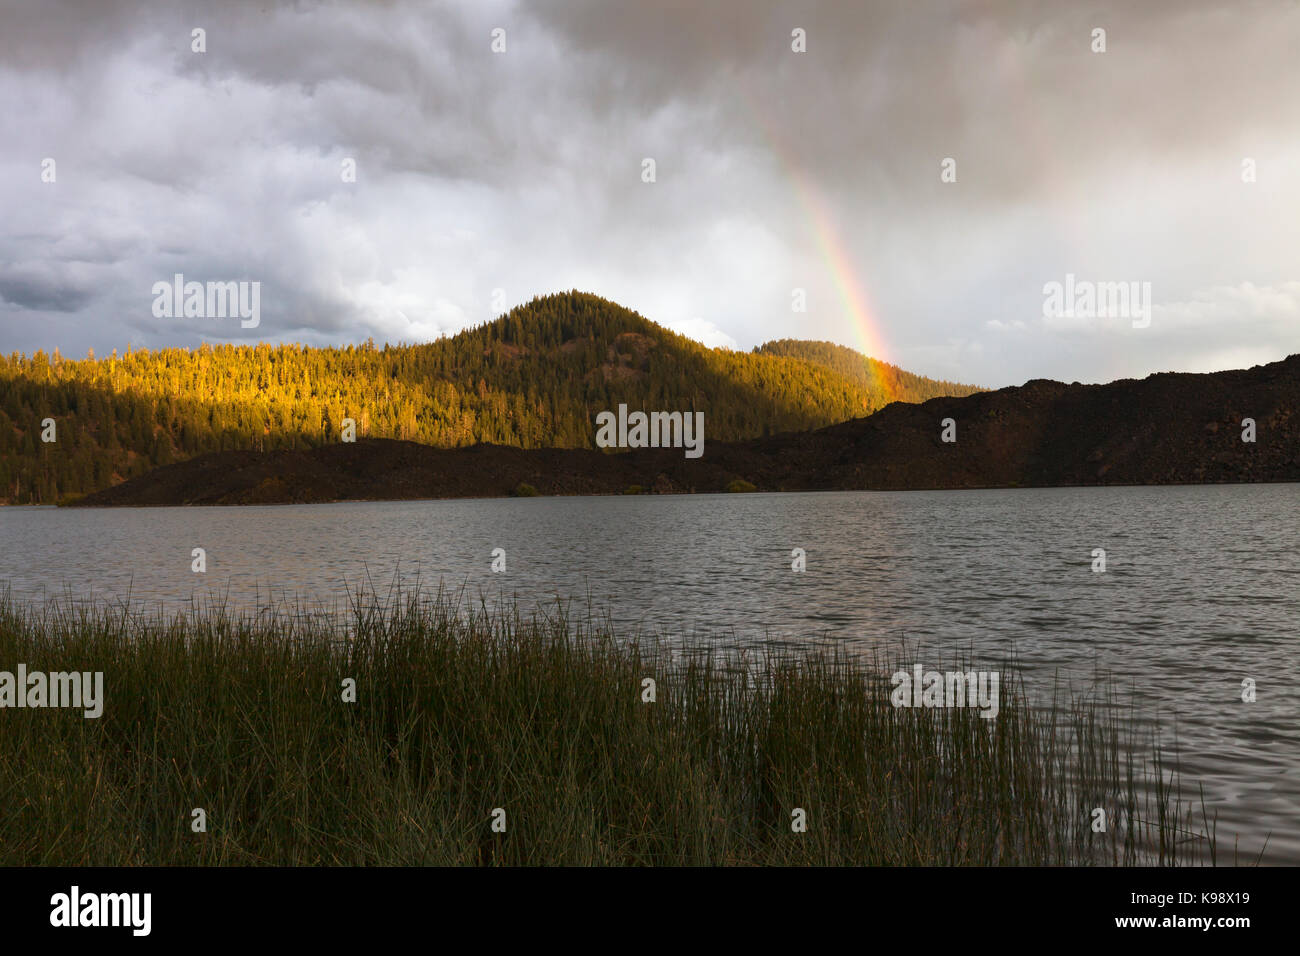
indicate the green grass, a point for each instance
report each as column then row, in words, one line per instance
column 460, row 712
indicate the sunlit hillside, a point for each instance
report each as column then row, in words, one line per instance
column 535, row 377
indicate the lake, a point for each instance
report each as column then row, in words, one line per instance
column 1201, row 588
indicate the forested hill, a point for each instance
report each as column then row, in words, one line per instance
column 536, row 377
column 876, row 376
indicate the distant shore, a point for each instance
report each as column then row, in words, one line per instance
column 1174, row 429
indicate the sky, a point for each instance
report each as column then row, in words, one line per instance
column 908, row 179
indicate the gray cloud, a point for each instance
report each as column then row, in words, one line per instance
column 42, row 293
column 521, row 171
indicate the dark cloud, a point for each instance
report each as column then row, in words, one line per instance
column 520, row 171
column 42, row 293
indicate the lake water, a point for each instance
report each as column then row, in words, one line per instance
column 1201, row 588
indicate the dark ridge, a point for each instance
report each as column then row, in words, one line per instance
column 1169, row 428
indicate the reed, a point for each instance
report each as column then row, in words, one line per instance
column 460, row 711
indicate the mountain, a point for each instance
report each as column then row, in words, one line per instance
column 1165, row 429
column 534, row 378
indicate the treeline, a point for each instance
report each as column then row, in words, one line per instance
column 536, row 377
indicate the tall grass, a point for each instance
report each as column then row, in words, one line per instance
column 462, row 711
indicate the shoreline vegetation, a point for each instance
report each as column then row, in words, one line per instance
column 1170, row 429
column 461, row 713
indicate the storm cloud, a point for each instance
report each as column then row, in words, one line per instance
column 484, row 178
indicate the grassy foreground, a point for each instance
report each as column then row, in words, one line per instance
column 461, row 712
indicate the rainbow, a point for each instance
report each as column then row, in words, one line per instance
column 868, row 330
column 866, row 325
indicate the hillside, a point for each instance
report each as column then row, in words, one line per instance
column 1165, row 429
column 534, row 378
column 876, row 376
